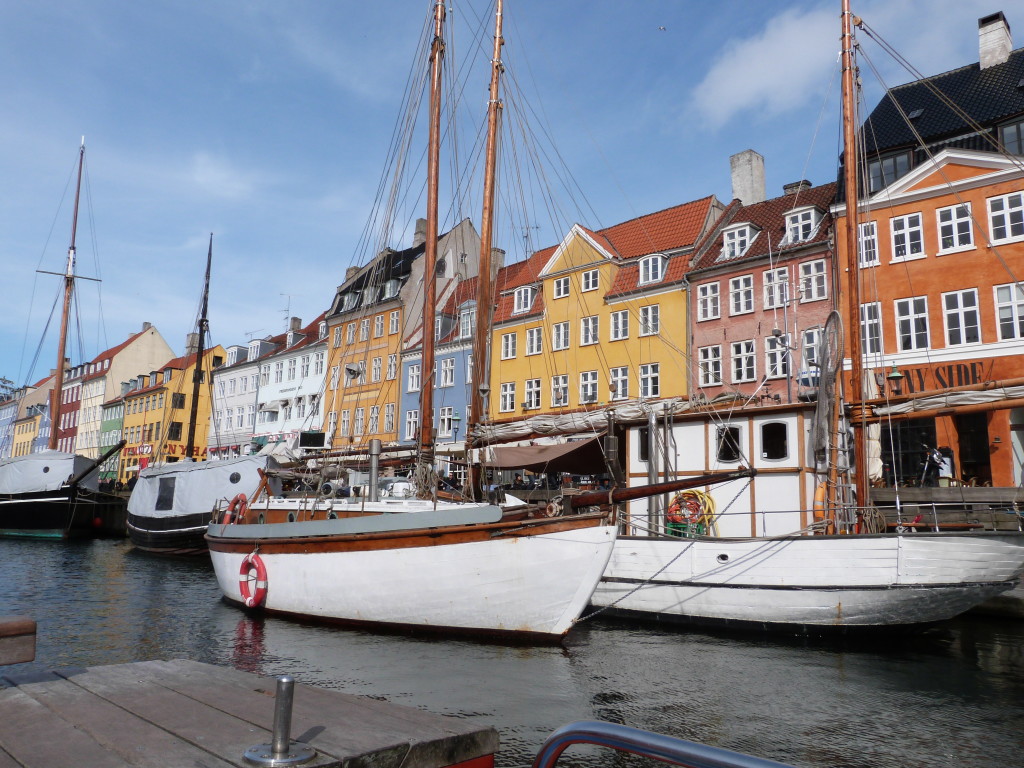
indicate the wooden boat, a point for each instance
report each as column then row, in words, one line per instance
column 54, row 494
column 833, row 576
column 419, row 564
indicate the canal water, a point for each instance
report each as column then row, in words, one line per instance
column 950, row 696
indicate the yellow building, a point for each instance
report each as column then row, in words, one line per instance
column 599, row 318
column 157, row 411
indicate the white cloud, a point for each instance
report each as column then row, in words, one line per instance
column 772, row 72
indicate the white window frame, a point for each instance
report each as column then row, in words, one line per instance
column 736, row 241
column 1006, row 217
column 1009, row 306
column 393, row 322
column 560, row 336
column 871, row 328
column 523, row 299
column 652, row 269
column 375, row 369
column 588, row 387
column 378, row 326
column 534, row 340
column 467, row 323
column 618, row 384
column 743, row 361
column 912, row 331
column 412, row 424
column 802, row 224
column 710, row 361
column 509, row 342
column 392, row 367
column 867, row 244
column 619, row 325
column 389, row 418
column 589, row 330
column 507, row 400
column 559, row 390
column 776, row 356
column 741, row 295
column 561, row 287
column 961, row 316
column 709, row 304
column 650, row 380
column 447, row 377
column 650, row 320
column 810, row 355
column 531, row 395
column 444, row 421
column 813, row 280
column 955, row 227
column 906, row 237
column 413, row 382
column 590, row 280
column 776, row 287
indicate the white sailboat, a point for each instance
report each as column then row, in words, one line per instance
column 811, row 580
column 414, row 564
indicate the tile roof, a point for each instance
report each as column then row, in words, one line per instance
column 987, row 96
column 667, row 230
column 769, row 217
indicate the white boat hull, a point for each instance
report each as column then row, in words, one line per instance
column 810, row 581
column 528, row 585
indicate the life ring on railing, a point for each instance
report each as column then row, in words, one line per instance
column 259, row 594
column 237, row 510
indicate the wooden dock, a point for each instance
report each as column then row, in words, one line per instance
column 184, row 713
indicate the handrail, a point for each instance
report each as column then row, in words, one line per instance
column 667, row 749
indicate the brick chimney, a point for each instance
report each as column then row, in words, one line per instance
column 747, row 177
column 994, row 42
column 349, row 274
column 797, row 186
column 191, row 344
column 294, row 323
column 146, row 325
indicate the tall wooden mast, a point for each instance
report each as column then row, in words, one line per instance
column 426, row 440
column 852, row 265
column 485, row 293
column 69, row 289
column 197, row 372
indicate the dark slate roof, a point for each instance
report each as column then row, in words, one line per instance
column 990, row 96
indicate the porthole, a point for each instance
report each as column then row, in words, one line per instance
column 332, row 515
column 291, row 517
column 723, row 558
column 262, row 519
column 235, row 477
column 45, row 470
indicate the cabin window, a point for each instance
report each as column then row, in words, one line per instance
column 728, row 442
column 774, row 441
column 165, row 494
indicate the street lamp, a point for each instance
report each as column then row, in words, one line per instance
column 895, row 378
column 456, row 420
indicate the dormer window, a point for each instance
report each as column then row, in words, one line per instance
column 254, row 352
column 391, row 288
column 467, row 322
column 322, row 332
column 1012, row 137
column 524, row 299
column 652, row 269
column 370, row 294
column 801, row 225
column 348, row 301
column 737, row 240
column 884, row 171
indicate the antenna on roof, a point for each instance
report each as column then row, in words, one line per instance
column 287, row 310
column 250, row 334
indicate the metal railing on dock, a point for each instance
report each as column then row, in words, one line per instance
column 667, row 749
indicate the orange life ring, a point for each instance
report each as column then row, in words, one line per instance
column 236, row 510
column 819, row 502
column 258, row 595
column 674, row 513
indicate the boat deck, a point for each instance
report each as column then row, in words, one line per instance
column 160, row 713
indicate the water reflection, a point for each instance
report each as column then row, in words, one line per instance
column 952, row 695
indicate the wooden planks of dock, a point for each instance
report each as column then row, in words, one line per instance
column 185, row 713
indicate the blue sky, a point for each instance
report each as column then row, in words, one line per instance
column 267, row 123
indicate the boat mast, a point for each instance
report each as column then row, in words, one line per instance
column 852, row 265
column 69, row 289
column 485, row 302
column 197, row 372
column 426, row 441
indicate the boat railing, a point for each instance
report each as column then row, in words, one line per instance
column 667, row 749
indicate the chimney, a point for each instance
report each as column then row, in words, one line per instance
column 191, row 344
column 146, row 326
column 420, row 237
column 349, row 274
column 994, row 42
column 294, row 323
column 747, row 177
column 795, row 187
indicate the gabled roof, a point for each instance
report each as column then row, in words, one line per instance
column 769, row 218
column 110, row 354
column 989, row 96
column 517, row 275
column 668, row 230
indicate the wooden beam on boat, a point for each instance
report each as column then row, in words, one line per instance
column 620, row 495
column 17, row 639
column 158, row 713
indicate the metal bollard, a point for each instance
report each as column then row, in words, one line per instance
column 282, row 750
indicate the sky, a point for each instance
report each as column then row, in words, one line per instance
column 267, row 123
